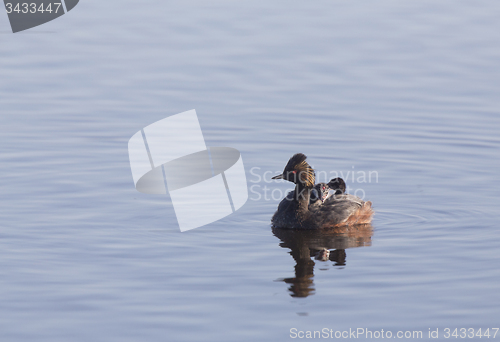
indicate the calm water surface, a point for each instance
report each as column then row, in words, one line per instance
column 407, row 93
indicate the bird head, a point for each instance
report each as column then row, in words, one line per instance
column 297, row 170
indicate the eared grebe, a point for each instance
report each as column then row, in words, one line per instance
column 296, row 211
column 337, row 185
column 319, row 193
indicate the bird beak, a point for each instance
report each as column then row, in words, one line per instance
column 278, row 177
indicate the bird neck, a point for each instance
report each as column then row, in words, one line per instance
column 303, row 195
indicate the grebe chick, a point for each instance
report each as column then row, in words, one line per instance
column 338, row 185
column 342, row 209
column 319, row 194
column 321, row 191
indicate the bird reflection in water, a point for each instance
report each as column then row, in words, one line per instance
column 318, row 244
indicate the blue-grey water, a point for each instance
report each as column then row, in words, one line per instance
column 406, row 92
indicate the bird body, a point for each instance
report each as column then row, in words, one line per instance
column 298, row 211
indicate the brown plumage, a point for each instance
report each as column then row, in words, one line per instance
column 362, row 216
